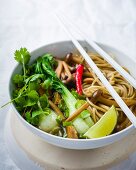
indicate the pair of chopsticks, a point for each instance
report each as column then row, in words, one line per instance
column 65, row 23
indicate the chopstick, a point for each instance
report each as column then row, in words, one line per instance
column 97, row 71
column 98, row 49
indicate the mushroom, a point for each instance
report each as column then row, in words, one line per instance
column 68, row 57
column 88, row 80
column 76, row 59
column 57, row 98
column 59, row 68
column 97, row 97
column 63, row 75
column 68, row 74
column 87, row 74
column 71, row 132
column 56, row 109
column 63, row 72
column 72, row 69
column 41, row 91
column 77, row 112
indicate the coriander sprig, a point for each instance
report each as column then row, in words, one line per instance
column 22, row 56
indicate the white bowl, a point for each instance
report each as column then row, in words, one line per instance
column 60, row 49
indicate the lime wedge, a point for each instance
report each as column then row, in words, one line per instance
column 104, row 126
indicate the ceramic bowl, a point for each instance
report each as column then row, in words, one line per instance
column 60, row 49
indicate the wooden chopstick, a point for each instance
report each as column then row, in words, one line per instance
column 100, row 51
column 97, row 71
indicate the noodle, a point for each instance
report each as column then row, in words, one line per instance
column 122, row 87
column 91, row 84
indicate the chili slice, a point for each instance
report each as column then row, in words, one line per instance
column 78, row 76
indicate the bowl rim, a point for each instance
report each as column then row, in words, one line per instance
column 129, row 128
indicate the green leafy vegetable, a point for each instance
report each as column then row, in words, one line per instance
column 34, row 77
column 47, row 84
column 36, row 85
column 38, row 67
column 31, row 98
column 22, row 56
column 18, row 79
column 21, row 101
column 63, row 107
column 37, row 113
column 28, row 117
column 47, row 63
column 33, row 85
column 84, row 114
column 67, row 123
column 48, row 123
column 67, row 96
column 44, row 103
column 79, row 103
column 77, row 96
column 59, row 119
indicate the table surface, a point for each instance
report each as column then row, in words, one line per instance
column 31, row 24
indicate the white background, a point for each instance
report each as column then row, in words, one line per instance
column 29, row 23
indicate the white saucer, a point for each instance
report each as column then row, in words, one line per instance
column 16, row 153
column 30, row 152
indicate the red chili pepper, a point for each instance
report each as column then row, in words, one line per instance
column 78, row 76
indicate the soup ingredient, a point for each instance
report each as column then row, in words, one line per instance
column 67, row 96
column 48, row 122
column 68, row 57
column 63, row 72
column 104, row 126
column 22, row 56
column 70, row 101
column 57, row 98
column 78, row 111
column 78, row 76
column 77, row 96
column 81, row 125
column 98, row 97
column 56, row 109
column 68, row 75
column 71, row 132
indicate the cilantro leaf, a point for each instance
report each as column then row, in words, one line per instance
column 47, row 64
column 34, row 85
column 44, row 101
column 47, row 83
column 36, row 113
column 32, row 119
column 18, row 79
column 40, row 112
column 31, row 98
column 22, row 56
column 38, row 66
column 28, row 117
column 20, row 101
column 34, row 77
column 33, row 95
